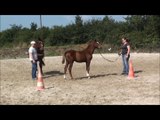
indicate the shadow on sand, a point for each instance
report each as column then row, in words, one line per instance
column 138, row 71
column 51, row 74
column 96, row 76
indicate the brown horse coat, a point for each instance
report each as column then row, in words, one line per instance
column 79, row 56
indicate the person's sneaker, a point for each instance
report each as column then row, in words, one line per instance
column 126, row 74
column 34, row 78
column 123, row 73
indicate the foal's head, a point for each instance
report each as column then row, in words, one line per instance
column 95, row 43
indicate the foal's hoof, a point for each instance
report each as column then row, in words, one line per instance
column 64, row 77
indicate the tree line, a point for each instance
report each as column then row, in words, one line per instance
column 143, row 31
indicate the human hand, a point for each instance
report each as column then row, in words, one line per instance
column 33, row 61
column 119, row 53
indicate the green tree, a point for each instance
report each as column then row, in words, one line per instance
column 78, row 21
column 33, row 26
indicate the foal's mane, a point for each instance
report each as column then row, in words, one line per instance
column 90, row 43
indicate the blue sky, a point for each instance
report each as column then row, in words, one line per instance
column 47, row 20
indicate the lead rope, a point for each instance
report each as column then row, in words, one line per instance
column 108, row 59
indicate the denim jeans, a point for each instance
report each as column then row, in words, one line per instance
column 34, row 70
column 125, row 64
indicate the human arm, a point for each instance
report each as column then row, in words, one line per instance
column 128, row 52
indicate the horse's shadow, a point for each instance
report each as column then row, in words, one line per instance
column 96, row 76
column 51, row 74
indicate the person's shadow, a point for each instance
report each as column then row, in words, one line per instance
column 138, row 71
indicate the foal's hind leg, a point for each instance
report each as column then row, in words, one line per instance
column 70, row 70
column 65, row 69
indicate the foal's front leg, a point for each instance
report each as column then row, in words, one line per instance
column 70, row 70
column 87, row 69
column 65, row 69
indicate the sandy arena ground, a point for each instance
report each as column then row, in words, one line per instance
column 106, row 87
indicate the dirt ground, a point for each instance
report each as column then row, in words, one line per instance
column 106, row 87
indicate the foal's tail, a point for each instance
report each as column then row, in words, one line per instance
column 63, row 58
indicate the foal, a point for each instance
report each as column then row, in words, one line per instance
column 79, row 56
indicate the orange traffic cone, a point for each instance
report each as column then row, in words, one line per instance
column 40, row 83
column 131, row 71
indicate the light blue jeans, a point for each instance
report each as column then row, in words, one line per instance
column 125, row 64
column 34, row 70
